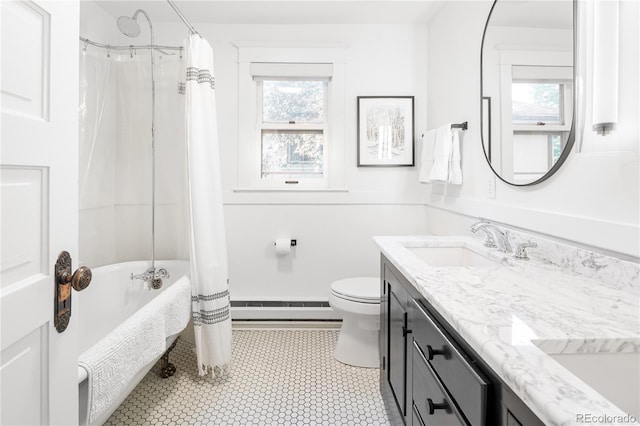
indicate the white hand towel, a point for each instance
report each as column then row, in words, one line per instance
column 426, row 160
column 441, row 154
column 455, row 171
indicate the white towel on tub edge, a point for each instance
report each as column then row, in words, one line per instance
column 118, row 357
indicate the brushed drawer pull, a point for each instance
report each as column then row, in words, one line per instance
column 405, row 331
column 433, row 352
column 433, row 406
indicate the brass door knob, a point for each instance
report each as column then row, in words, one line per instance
column 64, row 281
column 81, row 278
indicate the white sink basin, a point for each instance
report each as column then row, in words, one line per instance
column 614, row 375
column 450, row 256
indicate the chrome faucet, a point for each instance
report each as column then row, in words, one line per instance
column 153, row 276
column 494, row 233
column 483, row 226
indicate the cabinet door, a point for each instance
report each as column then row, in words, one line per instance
column 511, row 420
column 398, row 347
column 417, row 420
column 515, row 412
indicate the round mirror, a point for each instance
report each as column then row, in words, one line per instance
column 527, row 84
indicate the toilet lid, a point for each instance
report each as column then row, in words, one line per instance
column 365, row 289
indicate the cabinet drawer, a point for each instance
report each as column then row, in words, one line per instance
column 430, row 401
column 464, row 383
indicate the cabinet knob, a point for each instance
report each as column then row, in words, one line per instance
column 436, row 406
column 433, row 352
column 405, row 331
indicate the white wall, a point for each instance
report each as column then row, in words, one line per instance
column 593, row 200
column 334, row 242
column 334, row 229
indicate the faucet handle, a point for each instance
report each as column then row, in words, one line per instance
column 521, row 252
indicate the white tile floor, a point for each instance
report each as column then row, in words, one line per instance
column 278, row 377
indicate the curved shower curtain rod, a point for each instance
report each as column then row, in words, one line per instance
column 130, row 47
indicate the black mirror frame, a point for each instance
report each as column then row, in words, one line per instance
column 486, row 148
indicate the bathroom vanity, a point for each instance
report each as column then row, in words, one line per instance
column 471, row 336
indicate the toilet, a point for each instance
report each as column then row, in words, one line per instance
column 358, row 300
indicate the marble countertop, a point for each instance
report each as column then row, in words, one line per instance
column 516, row 313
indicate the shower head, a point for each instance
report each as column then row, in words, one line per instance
column 129, row 26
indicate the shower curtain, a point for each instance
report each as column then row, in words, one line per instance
column 115, row 156
column 210, row 289
column 97, row 154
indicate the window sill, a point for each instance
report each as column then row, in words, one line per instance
column 544, row 128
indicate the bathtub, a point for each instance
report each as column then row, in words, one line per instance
column 112, row 298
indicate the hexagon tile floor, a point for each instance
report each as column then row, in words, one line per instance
column 279, row 377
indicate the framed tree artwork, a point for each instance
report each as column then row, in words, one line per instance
column 385, row 131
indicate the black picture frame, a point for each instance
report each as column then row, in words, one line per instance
column 386, row 131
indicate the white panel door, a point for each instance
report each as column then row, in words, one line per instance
column 39, row 209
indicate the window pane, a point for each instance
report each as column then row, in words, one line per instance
column 556, row 147
column 292, row 100
column 536, row 152
column 531, row 153
column 536, row 103
column 294, row 154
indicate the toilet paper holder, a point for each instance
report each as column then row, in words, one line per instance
column 293, row 243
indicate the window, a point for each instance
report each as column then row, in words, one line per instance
column 541, row 119
column 291, row 118
column 537, row 103
column 292, row 129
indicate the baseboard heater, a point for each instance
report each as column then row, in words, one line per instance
column 311, row 310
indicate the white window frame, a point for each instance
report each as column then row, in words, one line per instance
column 322, row 126
column 554, row 75
column 511, row 57
column 561, row 75
column 261, row 58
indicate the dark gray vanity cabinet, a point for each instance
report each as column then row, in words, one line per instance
column 395, row 302
column 429, row 376
column 431, row 404
column 453, row 369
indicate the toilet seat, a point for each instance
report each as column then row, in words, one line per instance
column 360, row 290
